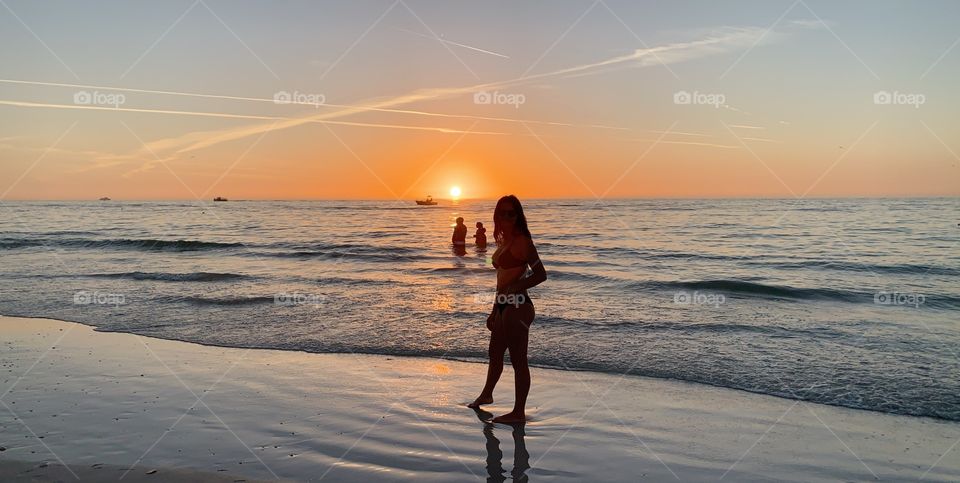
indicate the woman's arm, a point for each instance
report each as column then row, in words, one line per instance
column 539, row 274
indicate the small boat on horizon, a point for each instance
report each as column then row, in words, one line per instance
column 105, row 198
column 219, row 198
column 429, row 201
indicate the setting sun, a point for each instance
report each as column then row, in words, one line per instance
column 454, row 192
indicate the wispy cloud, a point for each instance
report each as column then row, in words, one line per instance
column 762, row 140
column 223, row 115
column 716, row 42
column 327, row 105
column 172, row 147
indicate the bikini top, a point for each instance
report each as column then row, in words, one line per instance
column 505, row 260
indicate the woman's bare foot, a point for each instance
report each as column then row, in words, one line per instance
column 481, row 400
column 512, row 417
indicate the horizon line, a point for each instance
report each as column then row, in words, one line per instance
column 572, row 198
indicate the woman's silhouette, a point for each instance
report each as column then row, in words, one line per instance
column 509, row 321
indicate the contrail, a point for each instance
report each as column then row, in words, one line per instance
column 244, row 116
column 452, row 43
column 272, row 101
column 684, row 143
column 669, row 53
column 763, row 140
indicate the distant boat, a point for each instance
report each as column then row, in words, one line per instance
column 219, row 198
column 428, row 201
column 105, row 199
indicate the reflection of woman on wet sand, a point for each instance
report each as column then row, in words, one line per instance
column 521, row 458
column 509, row 321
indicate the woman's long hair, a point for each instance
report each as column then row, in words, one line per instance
column 520, row 223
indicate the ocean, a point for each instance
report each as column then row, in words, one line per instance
column 847, row 302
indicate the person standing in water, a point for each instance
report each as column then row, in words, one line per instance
column 460, row 232
column 509, row 321
column 481, row 235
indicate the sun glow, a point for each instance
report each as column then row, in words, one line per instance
column 455, row 192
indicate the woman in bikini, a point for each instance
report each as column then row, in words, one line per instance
column 509, row 321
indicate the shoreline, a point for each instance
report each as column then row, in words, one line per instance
column 113, row 398
column 472, row 360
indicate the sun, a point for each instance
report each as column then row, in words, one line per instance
column 455, row 192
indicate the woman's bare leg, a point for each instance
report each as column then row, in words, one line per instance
column 521, row 371
column 498, row 345
column 517, row 321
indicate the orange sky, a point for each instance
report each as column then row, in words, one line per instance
column 586, row 108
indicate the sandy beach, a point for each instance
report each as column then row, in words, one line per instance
column 106, row 406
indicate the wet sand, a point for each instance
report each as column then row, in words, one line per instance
column 108, row 405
